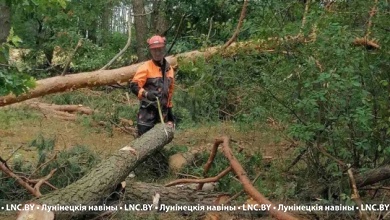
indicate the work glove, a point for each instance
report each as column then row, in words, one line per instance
column 152, row 95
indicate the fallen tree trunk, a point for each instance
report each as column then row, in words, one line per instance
column 66, row 112
column 101, row 181
column 92, row 79
column 179, row 160
column 369, row 177
column 72, row 82
column 180, row 196
column 142, row 193
column 372, row 176
column 124, row 74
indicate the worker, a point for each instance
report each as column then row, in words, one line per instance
column 154, row 80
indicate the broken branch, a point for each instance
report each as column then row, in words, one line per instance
column 355, row 194
column 248, row 187
column 18, row 179
column 365, row 41
column 66, row 68
column 205, row 180
column 42, row 165
column 242, row 191
column 43, row 180
column 304, row 18
column 373, row 11
column 5, row 161
column 240, row 22
column 124, row 48
column 209, row 162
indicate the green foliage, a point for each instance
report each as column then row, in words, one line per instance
column 43, row 146
column 330, row 92
column 177, row 149
column 50, row 30
column 71, row 165
column 199, row 16
column 221, row 88
column 92, row 56
column 341, row 106
column 109, row 107
column 12, row 79
column 12, row 116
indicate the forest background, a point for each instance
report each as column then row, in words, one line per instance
column 304, row 90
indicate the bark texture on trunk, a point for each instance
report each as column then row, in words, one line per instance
column 101, row 181
column 158, row 21
column 5, row 21
column 363, row 179
column 373, row 176
column 143, row 193
column 141, row 28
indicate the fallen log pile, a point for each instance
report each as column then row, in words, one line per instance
column 107, row 184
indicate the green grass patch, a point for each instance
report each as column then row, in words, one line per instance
column 10, row 116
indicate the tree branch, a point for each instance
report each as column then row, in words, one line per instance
column 42, row 165
column 248, row 187
column 240, row 22
column 123, row 50
column 304, row 18
column 373, row 11
column 66, row 68
column 242, row 191
column 177, row 33
column 9, row 157
column 355, row 194
column 43, row 180
column 205, row 180
column 18, row 179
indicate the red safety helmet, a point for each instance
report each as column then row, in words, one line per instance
column 156, row 42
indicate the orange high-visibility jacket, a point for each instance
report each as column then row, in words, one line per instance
column 149, row 78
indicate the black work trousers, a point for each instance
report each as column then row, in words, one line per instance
column 148, row 116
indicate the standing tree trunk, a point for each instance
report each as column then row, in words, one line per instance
column 5, row 27
column 141, row 28
column 5, row 21
column 158, row 21
column 106, row 25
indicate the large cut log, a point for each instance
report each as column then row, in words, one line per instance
column 177, row 198
column 372, row 176
column 140, row 192
column 101, row 181
column 366, row 178
column 91, row 79
column 143, row 193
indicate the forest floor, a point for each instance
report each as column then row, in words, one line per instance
column 21, row 125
